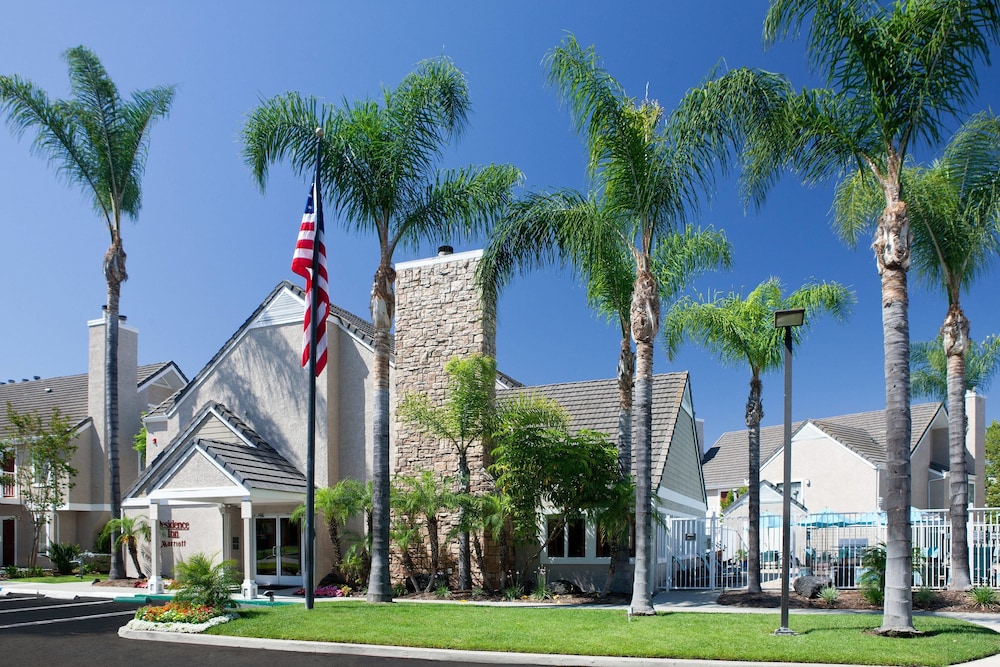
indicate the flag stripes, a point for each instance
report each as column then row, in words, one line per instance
column 311, row 241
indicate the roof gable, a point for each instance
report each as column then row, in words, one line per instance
column 217, row 436
column 593, row 404
column 727, row 462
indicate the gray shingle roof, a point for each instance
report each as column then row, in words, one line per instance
column 593, row 405
column 726, row 463
column 258, row 466
column 68, row 393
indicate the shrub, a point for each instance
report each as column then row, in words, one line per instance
column 924, row 597
column 442, row 592
column 10, row 571
column 984, row 597
column 203, row 584
column 62, row 557
column 873, row 595
column 829, row 595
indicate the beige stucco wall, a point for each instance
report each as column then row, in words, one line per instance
column 831, row 475
column 261, row 380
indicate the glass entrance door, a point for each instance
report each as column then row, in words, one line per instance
column 278, row 551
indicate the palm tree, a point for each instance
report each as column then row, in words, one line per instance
column 424, row 496
column 127, row 531
column 956, row 208
column 463, row 420
column 378, row 165
column 741, row 331
column 929, row 366
column 647, row 172
column 566, row 228
column 898, row 74
column 98, row 141
column 339, row 504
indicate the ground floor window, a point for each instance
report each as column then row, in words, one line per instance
column 605, row 549
column 566, row 538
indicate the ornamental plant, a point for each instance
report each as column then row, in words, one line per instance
column 203, row 583
column 177, row 612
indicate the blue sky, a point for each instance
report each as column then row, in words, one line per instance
column 209, row 246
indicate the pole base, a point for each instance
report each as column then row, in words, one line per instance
column 785, row 632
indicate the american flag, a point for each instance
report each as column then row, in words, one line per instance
column 310, row 239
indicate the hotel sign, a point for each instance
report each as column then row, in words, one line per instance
column 172, row 531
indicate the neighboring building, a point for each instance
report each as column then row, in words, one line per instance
column 839, row 462
column 227, row 453
column 80, row 398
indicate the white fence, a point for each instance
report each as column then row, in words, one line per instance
column 711, row 553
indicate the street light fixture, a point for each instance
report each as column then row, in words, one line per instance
column 786, row 319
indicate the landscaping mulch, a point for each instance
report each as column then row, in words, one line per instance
column 958, row 601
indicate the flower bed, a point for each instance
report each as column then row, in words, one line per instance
column 328, row 592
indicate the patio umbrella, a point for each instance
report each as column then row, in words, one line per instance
column 826, row 518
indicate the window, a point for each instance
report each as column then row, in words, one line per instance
column 565, row 540
column 8, row 474
column 606, row 550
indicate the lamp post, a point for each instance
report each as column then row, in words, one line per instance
column 786, row 319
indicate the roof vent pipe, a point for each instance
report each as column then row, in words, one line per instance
column 445, row 250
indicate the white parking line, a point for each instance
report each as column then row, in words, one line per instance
column 67, row 620
column 56, row 606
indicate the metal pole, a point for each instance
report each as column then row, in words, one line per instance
column 309, row 552
column 786, row 502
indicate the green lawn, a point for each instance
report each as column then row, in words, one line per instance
column 832, row 638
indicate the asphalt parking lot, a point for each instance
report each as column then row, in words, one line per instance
column 38, row 630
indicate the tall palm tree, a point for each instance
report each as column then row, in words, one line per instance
column 648, row 173
column 379, row 167
column 897, row 74
column 741, row 331
column 98, row 141
column 929, row 366
column 955, row 208
column 567, row 228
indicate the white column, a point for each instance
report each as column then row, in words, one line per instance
column 155, row 583
column 249, row 587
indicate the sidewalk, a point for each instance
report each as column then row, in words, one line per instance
column 701, row 601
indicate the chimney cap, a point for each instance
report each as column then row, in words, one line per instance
column 445, row 250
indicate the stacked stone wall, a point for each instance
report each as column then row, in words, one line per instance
column 439, row 316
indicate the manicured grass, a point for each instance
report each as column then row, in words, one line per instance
column 831, row 638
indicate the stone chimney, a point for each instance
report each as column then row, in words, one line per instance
column 439, row 315
column 975, row 442
column 128, row 401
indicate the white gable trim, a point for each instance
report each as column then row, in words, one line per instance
column 810, row 431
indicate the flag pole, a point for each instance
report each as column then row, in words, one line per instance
column 310, row 545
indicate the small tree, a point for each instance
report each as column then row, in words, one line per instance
column 338, row 504
column 42, row 472
column 993, row 465
column 129, row 530
column 463, row 420
column 424, row 497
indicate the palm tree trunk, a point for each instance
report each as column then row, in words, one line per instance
column 435, row 547
column 133, row 551
column 383, row 305
column 619, row 572
column 955, row 333
column 333, row 526
column 464, row 556
column 754, row 415
column 115, row 274
column 892, row 253
column 645, row 321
